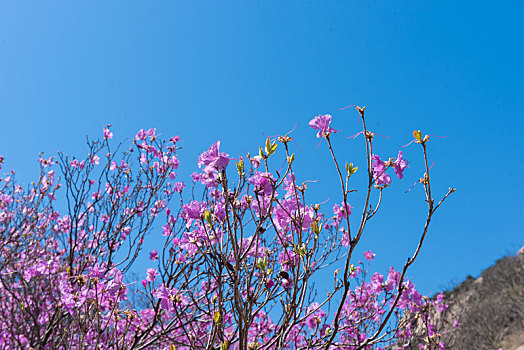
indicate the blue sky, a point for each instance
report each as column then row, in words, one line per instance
column 236, row 70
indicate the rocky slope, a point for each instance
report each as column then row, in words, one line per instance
column 490, row 308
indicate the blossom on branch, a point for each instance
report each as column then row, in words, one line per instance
column 321, row 123
column 214, row 158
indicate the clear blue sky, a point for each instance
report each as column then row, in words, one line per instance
column 233, row 70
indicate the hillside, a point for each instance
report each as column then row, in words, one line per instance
column 490, row 308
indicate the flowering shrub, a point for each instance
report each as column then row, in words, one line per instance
column 237, row 265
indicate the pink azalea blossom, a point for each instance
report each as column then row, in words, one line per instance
column 151, row 274
column 153, row 255
column 214, row 158
column 369, row 255
column 107, row 134
column 166, row 296
column 263, row 182
column 143, row 134
column 340, row 212
column 379, row 171
column 94, row 160
column 321, row 123
column 400, row 165
column 179, row 186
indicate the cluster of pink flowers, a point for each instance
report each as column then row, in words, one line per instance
column 380, row 167
column 235, row 270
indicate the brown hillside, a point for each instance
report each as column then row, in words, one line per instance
column 490, row 308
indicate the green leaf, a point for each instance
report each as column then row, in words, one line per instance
column 240, row 167
column 316, row 227
column 273, row 147
column 261, row 262
column 268, row 146
column 351, row 169
column 207, row 216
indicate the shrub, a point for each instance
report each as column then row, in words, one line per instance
column 238, row 262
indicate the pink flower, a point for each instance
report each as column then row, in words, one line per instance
column 151, row 274
column 369, row 255
column 151, row 132
column 153, row 255
column 74, row 163
column 213, row 158
column 255, row 161
column 107, row 134
column 166, row 230
column 263, row 182
column 193, row 210
column 379, row 171
column 340, row 212
column 321, row 123
column 143, row 134
column 169, row 297
column 181, row 257
column 179, row 186
column 94, row 160
column 97, row 271
column 400, row 165
column 315, row 315
column 166, row 296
